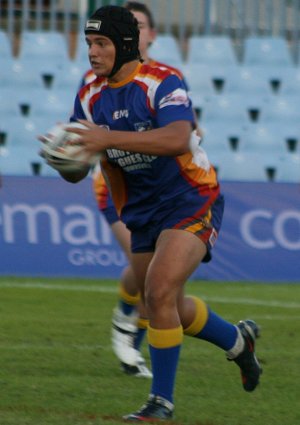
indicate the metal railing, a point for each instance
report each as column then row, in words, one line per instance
column 235, row 18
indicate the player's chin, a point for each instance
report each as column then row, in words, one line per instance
column 100, row 71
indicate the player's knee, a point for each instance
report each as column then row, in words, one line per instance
column 158, row 297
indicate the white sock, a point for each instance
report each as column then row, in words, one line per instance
column 238, row 346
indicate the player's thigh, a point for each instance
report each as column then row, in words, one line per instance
column 177, row 255
column 122, row 234
column 140, row 263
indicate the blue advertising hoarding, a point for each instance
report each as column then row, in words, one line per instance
column 49, row 227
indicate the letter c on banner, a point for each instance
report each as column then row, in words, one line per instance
column 280, row 233
column 246, row 224
column 278, row 230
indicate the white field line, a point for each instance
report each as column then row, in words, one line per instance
column 59, row 287
column 112, row 290
column 56, row 347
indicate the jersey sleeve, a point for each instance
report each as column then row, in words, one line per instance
column 78, row 113
column 172, row 102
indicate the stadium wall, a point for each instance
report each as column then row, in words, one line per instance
column 51, row 228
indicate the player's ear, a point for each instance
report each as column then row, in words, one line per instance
column 153, row 34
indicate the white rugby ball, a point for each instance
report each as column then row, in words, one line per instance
column 56, row 144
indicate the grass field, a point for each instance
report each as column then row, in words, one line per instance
column 57, row 365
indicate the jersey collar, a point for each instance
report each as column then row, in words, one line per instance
column 129, row 78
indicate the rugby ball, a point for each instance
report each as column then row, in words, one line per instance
column 64, row 156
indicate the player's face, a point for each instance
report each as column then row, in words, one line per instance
column 102, row 54
column 147, row 34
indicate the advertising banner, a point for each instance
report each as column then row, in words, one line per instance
column 49, row 227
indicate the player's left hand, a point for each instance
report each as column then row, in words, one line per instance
column 93, row 139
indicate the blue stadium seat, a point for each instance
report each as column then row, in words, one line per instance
column 227, row 108
column 69, row 78
column 267, row 51
column 290, row 82
column 237, row 166
column 9, row 104
column 45, row 72
column 47, row 171
column 220, row 136
column 20, row 154
column 6, row 69
column 289, row 132
column 284, row 109
column 22, row 132
column 165, row 49
column 21, row 101
column 5, row 47
column 275, row 76
column 264, row 139
column 288, row 169
column 249, row 81
column 81, row 58
column 200, row 80
column 56, row 105
column 50, row 46
column 18, row 75
column 211, row 51
column 20, row 161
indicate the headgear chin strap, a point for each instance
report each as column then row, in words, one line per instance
column 120, row 26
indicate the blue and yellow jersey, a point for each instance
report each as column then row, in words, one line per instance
column 143, row 186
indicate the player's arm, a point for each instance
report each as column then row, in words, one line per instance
column 170, row 140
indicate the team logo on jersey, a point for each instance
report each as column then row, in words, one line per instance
column 130, row 161
column 143, row 126
column 123, row 113
column 177, row 97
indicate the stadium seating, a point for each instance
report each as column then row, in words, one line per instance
column 9, row 104
column 50, row 46
column 264, row 139
column 20, row 161
column 247, row 110
column 165, row 49
column 56, row 105
column 290, row 82
column 23, row 101
column 283, row 109
column 239, row 166
column 201, row 81
column 6, row 70
column 249, row 81
column 44, row 71
column 17, row 75
column 5, row 47
column 21, row 132
column 211, row 51
column 81, row 53
column 20, row 153
column 69, row 79
column 226, row 108
column 275, row 76
column 288, row 169
column 218, row 136
column 266, row 51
